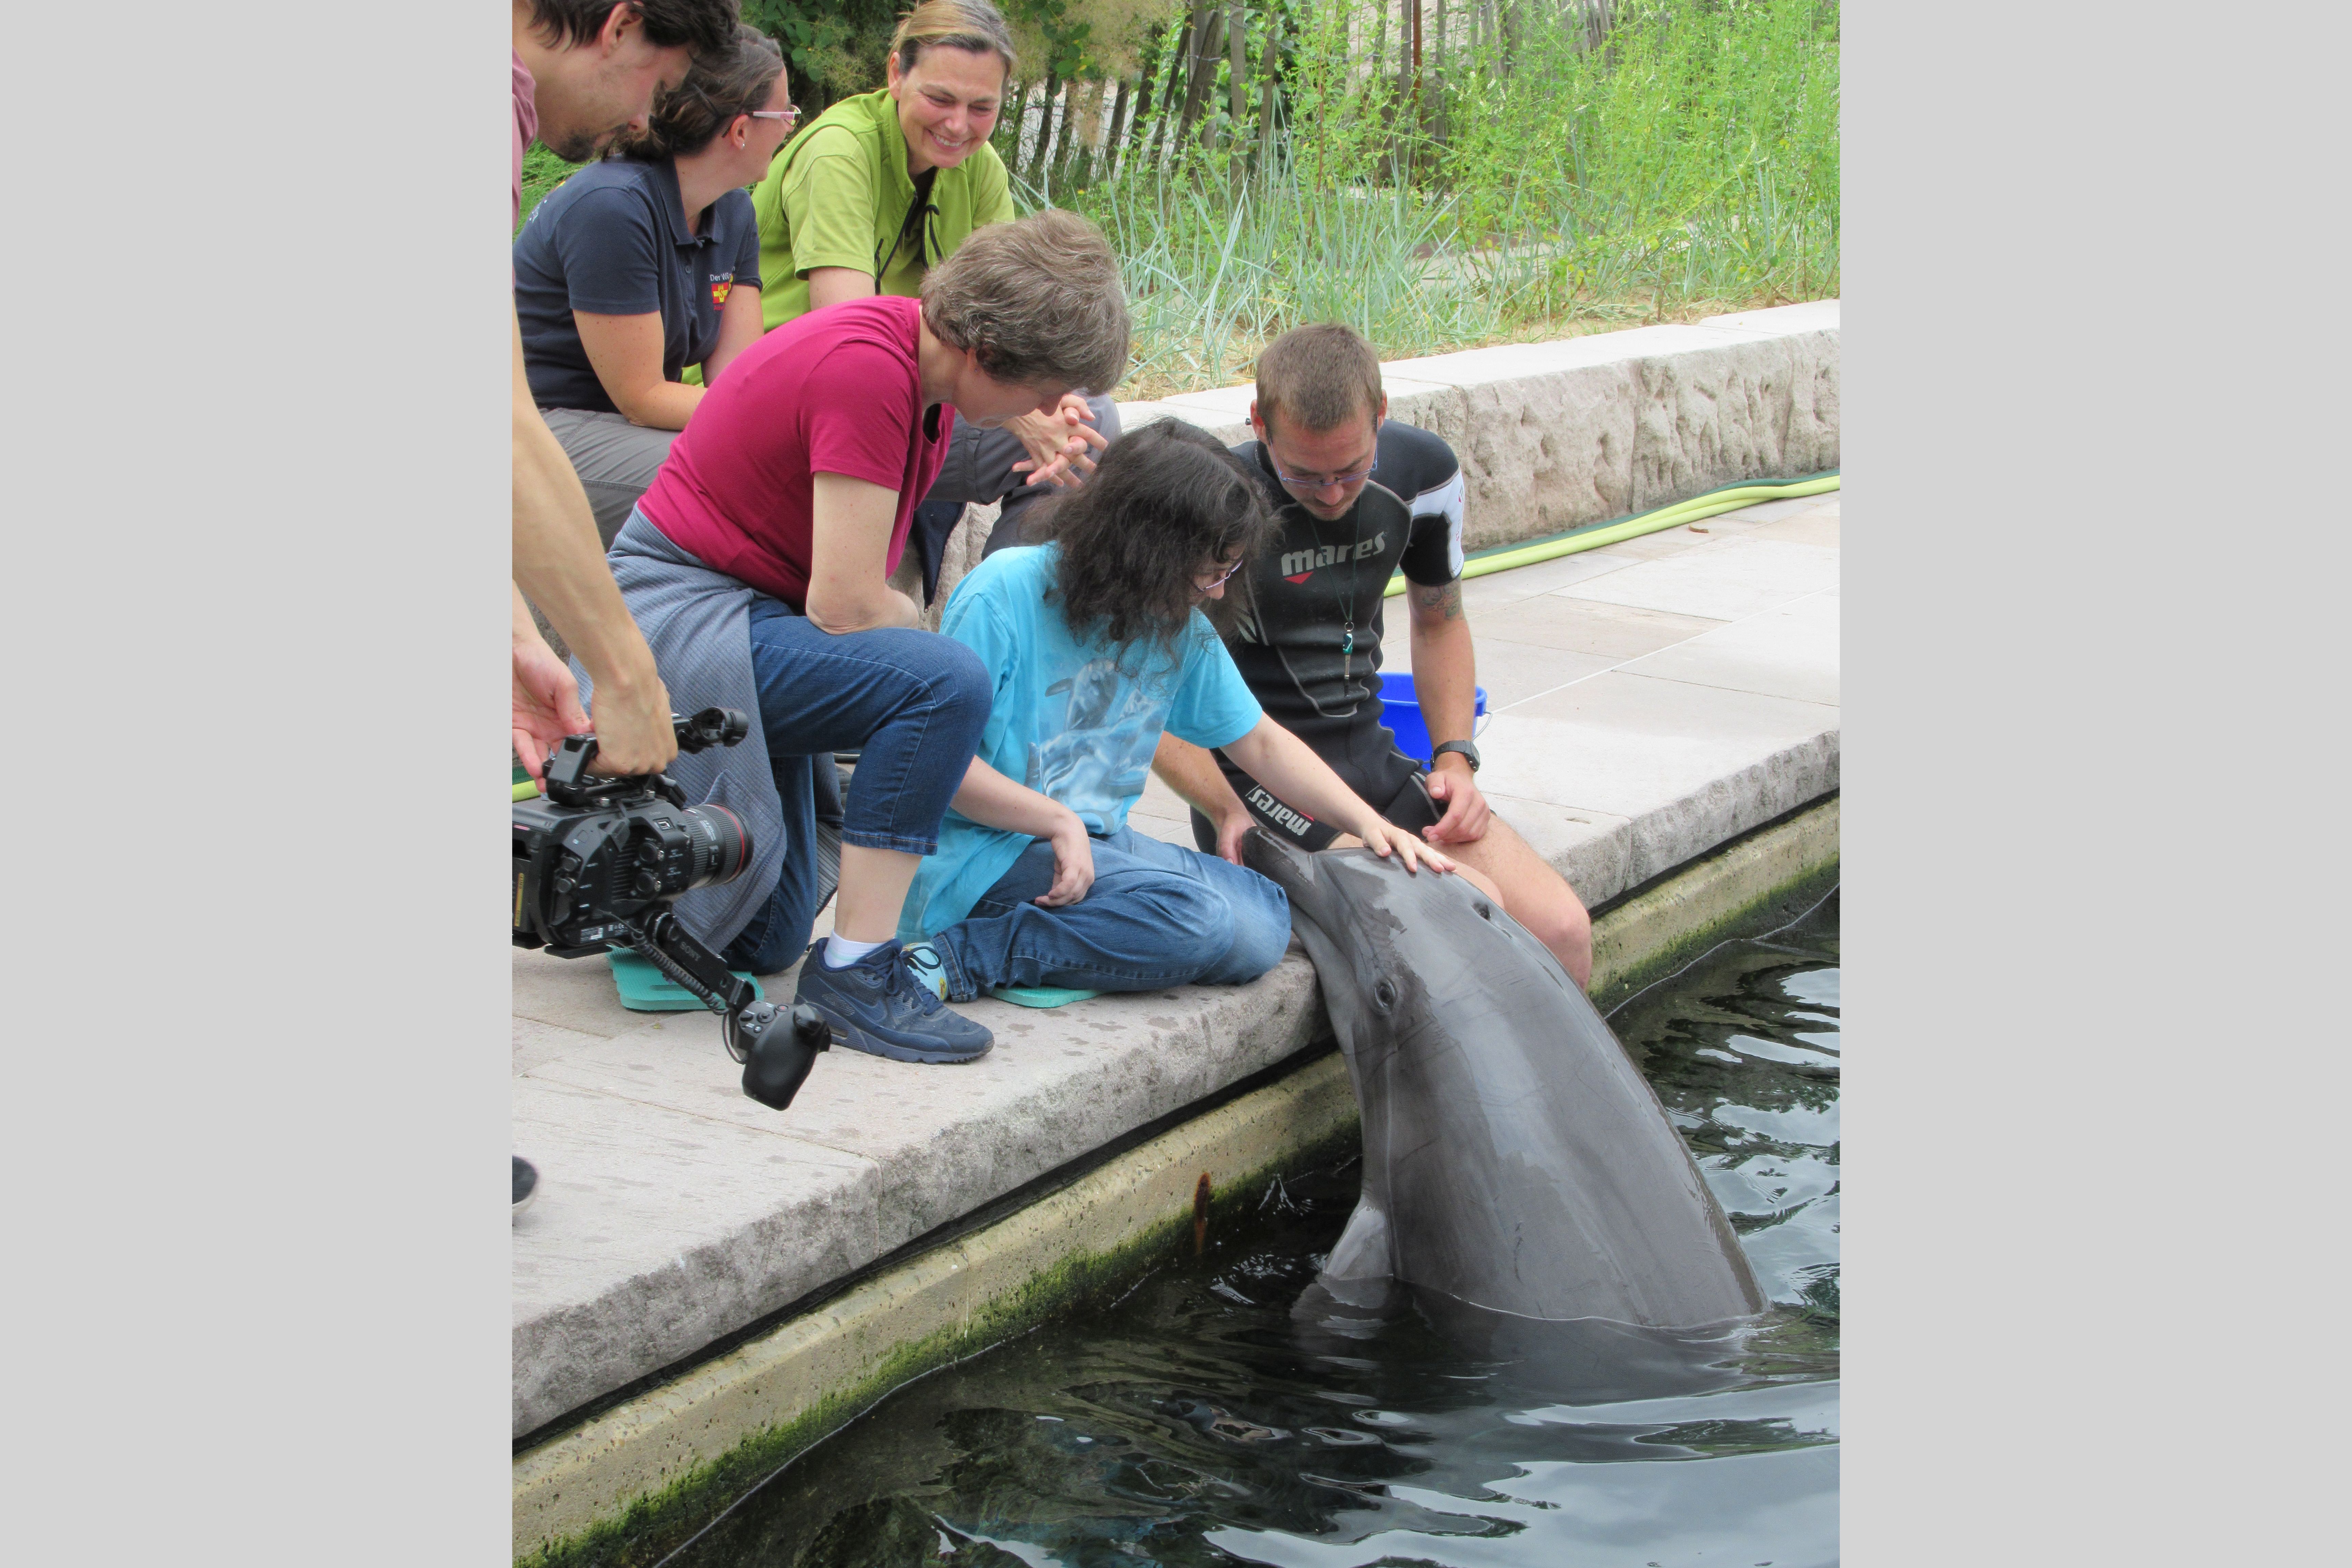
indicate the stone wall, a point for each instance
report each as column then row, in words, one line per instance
column 1555, row 436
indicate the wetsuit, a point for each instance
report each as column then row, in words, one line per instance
column 1308, row 638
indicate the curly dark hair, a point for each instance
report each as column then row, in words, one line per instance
column 1161, row 505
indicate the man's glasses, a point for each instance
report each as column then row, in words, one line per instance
column 1326, row 482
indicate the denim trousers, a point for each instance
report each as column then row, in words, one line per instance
column 1157, row 915
column 912, row 702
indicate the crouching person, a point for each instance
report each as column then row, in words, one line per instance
column 1093, row 642
column 758, row 564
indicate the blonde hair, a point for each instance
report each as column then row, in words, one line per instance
column 973, row 25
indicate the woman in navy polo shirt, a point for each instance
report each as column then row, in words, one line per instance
column 635, row 267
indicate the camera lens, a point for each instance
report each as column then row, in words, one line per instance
column 717, row 846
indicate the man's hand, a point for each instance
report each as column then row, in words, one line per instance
column 1466, row 816
column 1061, row 444
column 546, row 703
column 1074, row 862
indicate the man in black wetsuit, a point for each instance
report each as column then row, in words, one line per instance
column 1357, row 497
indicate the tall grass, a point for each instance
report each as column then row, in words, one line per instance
column 1690, row 163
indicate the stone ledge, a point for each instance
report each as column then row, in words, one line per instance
column 665, row 1455
column 615, row 1280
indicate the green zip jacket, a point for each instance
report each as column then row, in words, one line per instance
column 837, row 195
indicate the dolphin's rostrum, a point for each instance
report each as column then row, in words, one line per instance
column 1515, row 1158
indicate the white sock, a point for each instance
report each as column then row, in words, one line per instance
column 840, row 952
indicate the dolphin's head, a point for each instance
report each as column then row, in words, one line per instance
column 1395, row 930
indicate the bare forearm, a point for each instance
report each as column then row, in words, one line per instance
column 991, row 799
column 885, row 607
column 1445, row 661
column 1193, row 772
column 663, row 406
column 558, row 561
column 1283, row 763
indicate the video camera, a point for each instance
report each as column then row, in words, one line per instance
column 599, row 861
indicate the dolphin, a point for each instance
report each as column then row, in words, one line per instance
column 1516, row 1161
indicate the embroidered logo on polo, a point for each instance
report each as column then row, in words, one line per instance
column 721, row 282
column 1298, row 565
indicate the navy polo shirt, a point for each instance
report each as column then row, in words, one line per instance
column 611, row 241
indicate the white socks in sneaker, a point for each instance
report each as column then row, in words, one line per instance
column 840, row 952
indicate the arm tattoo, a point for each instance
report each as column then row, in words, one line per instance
column 1446, row 598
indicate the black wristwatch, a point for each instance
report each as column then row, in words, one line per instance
column 1464, row 747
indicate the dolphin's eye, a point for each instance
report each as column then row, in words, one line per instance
column 1384, row 994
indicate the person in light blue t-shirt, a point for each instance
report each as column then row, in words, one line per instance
column 1038, row 881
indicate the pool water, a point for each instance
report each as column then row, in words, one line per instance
column 1194, row 1421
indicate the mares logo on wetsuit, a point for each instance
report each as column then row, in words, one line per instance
column 1298, row 565
column 1281, row 815
column 721, row 282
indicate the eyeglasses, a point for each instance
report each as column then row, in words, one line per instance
column 789, row 116
column 1215, row 581
column 1326, row 482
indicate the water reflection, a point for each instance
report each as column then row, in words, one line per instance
column 1200, row 1421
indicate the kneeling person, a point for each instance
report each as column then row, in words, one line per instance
column 1355, row 500
column 1093, row 641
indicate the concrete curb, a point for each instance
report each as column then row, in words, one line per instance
column 674, row 1454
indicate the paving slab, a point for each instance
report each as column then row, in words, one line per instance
column 1721, row 581
column 1615, row 632
column 1791, row 651
column 673, row 1211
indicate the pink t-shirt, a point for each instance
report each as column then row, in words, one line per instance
column 525, row 107
column 836, row 391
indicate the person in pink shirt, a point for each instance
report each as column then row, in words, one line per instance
column 585, row 71
column 758, row 565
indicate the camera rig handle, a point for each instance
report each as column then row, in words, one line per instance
column 776, row 1050
column 568, row 782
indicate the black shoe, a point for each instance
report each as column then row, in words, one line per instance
column 878, row 1006
column 526, row 1183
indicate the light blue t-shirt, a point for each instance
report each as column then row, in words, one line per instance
column 1071, row 719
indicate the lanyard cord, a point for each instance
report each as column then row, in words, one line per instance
column 917, row 211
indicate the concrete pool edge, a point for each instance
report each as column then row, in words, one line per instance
column 658, row 1464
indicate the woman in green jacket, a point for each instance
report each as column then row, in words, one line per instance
column 881, row 186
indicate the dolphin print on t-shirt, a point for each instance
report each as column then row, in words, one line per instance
column 1110, row 727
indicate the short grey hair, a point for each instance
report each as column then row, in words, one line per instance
column 1037, row 300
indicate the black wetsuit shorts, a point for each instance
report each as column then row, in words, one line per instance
column 1373, row 768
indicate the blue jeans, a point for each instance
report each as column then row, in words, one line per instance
column 1157, row 915
column 914, row 703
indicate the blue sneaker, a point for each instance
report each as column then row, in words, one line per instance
column 878, row 1005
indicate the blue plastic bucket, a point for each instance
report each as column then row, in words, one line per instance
column 1403, row 713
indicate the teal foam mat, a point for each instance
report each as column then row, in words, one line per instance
column 1040, row 995
column 645, row 989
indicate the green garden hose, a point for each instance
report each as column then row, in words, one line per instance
column 1592, row 536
